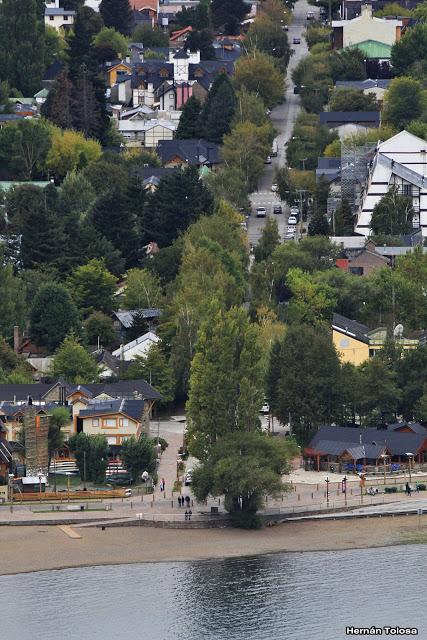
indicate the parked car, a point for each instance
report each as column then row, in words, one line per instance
column 274, row 149
column 294, row 210
column 310, row 15
column 261, row 212
column 296, row 41
column 120, row 480
column 267, row 160
column 188, row 478
column 265, row 408
column 244, row 226
column 292, row 220
column 291, row 230
column 274, row 188
column 277, row 209
column 289, row 236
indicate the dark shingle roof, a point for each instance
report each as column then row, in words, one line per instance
column 362, row 85
column 123, row 388
column 351, row 328
column 416, row 427
column 349, row 117
column 397, row 443
column 194, row 152
column 126, row 318
column 132, row 408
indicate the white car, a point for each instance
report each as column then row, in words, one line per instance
column 292, row 220
column 291, row 230
column 274, row 188
column 261, row 212
column 265, row 408
column 294, row 211
column 267, row 160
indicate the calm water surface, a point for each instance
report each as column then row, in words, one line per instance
column 293, row 596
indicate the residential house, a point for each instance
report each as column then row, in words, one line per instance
column 346, row 449
column 351, row 246
column 123, row 320
column 5, row 454
column 52, row 73
column 355, row 343
column 192, row 152
column 108, row 365
column 350, row 122
column 328, row 168
column 150, row 177
column 378, row 87
column 145, row 127
column 116, row 419
column 57, row 17
column 177, row 38
column 367, row 260
column 12, row 417
column 401, row 162
column 365, row 28
column 136, row 348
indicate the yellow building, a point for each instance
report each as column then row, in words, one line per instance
column 355, row 343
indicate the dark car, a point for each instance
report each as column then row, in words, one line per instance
column 296, row 41
column 277, row 208
column 120, row 480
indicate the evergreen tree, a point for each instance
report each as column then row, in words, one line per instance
column 73, row 363
column 53, row 316
column 343, row 220
column 22, row 44
column 116, row 14
column 58, row 107
column 218, row 109
column 92, row 287
column 201, row 41
column 86, row 26
column 229, row 14
column 318, row 225
column 189, row 125
column 88, row 110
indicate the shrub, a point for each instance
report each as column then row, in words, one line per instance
column 390, row 490
column 243, row 520
column 162, row 442
column 421, row 487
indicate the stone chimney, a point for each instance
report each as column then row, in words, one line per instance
column 367, row 10
column 16, row 340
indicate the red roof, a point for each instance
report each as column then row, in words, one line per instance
column 176, row 34
column 140, row 5
column 342, row 263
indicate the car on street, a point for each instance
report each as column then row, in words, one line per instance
column 267, row 160
column 274, row 188
column 120, row 480
column 277, row 208
column 188, row 478
column 292, row 220
column 296, row 41
column 289, row 236
column 261, row 212
column 265, row 408
column 291, row 230
column 310, row 15
column 244, row 226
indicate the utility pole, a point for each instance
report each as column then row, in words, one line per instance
column 84, row 470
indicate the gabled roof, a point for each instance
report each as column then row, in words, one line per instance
column 122, row 388
column 415, row 427
column 181, row 55
column 363, row 85
column 372, row 49
column 58, row 11
column 5, row 452
column 180, row 32
column 132, row 408
column 147, row 337
column 126, row 318
column 193, row 151
column 350, row 328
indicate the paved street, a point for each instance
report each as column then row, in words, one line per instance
column 283, row 118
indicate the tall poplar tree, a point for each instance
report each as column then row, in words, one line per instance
column 116, row 14
column 21, row 44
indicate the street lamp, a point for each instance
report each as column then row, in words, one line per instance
column 410, row 456
column 327, row 490
column 11, row 477
column 344, row 488
column 40, row 476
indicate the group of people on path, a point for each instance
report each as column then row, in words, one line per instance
column 184, row 501
column 162, row 484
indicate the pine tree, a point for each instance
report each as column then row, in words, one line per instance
column 22, row 44
column 86, row 26
column 58, row 106
column 318, row 225
column 53, row 315
column 189, row 126
column 218, row 110
column 116, row 14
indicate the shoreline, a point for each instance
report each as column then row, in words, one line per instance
column 44, row 548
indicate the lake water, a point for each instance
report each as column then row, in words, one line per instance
column 294, row 596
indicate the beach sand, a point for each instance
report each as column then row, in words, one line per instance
column 35, row 548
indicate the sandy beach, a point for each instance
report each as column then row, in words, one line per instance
column 36, row 548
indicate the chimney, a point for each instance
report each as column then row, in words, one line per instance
column 367, row 10
column 16, row 340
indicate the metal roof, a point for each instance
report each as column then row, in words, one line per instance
column 372, row 49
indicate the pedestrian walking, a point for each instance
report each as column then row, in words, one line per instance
column 190, row 513
column 407, row 489
column 179, row 501
column 164, row 484
column 187, row 500
column 186, row 514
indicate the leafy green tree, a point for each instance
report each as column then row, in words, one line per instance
column 392, row 9
column 196, row 17
column 154, row 367
column 393, row 214
column 352, row 100
column 14, row 309
column 267, row 35
column 259, row 74
column 228, row 14
column 150, row 36
column 312, row 303
column 189, row 126
column 246, row 148
column 92, row 287
column 180, row 199
column 404, row 102
column 379, row 394
column 309, row 362
column 110, row 40
column 227, row 365
column 343, row 220
column 59, row 418
column 53, row 315
column 76, row 196
column 143, row 290
column 410, row 49
column 410, row 379
column 138, row 455
column 420, row 409
column 116, row 14
column 318, row 225
column 269, row 240
column 24, row 147
column 218, row 109
column 249, row 108
column 22, row 45
column 201, row 41
column 244, row 468
column 99, row 325
column 91, row 453
column 229, row 183
column 54, row 45
column 73, row 363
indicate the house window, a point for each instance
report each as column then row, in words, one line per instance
column 95, row 422
column 65, row 18
column 164, row 73
column 198, row 73
column 112, row 440
column 51, row 18
column 110, row 423
column 345, row 342
column 356, row 271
